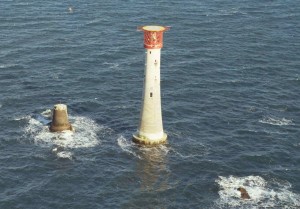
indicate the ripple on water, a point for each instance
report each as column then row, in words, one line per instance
column 276, row 121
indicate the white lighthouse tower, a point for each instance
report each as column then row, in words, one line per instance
column 150, row 129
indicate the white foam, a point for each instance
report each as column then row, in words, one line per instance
column 27, row 117
column 65, row 155
column 142, row 152
column 276, row 121
column 127, row 146
column 47, row 113
column 264, row 194
column 7, row 66
column 70, row 9
column 85, row 134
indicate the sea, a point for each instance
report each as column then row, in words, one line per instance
column 230, row 80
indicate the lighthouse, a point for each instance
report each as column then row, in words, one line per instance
column 150, row 130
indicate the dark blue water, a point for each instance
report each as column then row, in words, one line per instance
column 230, row 98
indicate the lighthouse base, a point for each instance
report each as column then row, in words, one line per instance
column 60, row 128
column 60, row 120
column 146, row 141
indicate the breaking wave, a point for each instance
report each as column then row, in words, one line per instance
column 276, row 122
column 85, row 134
column 7, row 66
column 271, row 193
column 65, row 155
column 141, row 151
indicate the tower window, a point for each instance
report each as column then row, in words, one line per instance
column 151, row 94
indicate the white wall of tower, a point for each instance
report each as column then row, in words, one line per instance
column 151, row 125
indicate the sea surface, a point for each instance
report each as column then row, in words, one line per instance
column 230, row 82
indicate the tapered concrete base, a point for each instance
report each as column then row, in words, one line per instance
column 61, row 128
column 60, row 120
column 145, row 141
